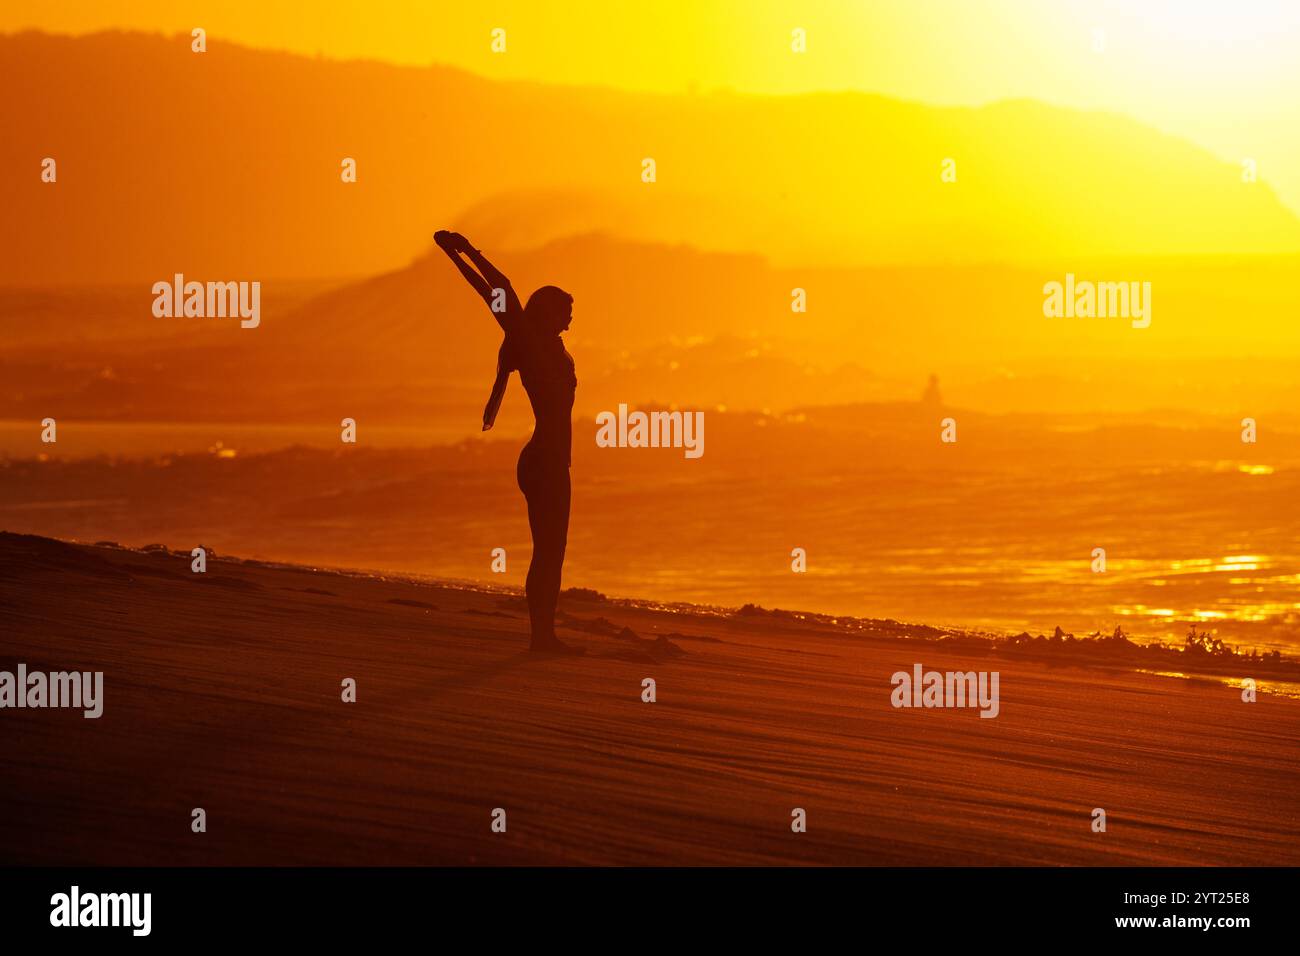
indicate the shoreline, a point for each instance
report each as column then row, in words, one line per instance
column 1162, row 659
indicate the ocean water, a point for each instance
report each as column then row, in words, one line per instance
column 1214, row 544
column 1001, row 543
column 22, row 439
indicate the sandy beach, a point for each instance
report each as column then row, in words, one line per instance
column 222, row 691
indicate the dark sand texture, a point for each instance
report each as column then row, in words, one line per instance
column 222, row 691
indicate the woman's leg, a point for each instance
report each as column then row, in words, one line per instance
column 548, row 515
column 547, row 491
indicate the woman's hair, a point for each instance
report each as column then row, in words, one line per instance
column 548, row 303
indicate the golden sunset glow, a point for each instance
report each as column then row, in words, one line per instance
column 1222, row 74
column 397, row 395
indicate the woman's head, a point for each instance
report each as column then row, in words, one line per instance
column 549, row 309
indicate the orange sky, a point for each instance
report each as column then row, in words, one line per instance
column 1222, row 74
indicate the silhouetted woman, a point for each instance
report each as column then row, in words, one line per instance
column 533, row 347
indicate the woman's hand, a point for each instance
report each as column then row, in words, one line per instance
column 450, row 242
column 485, row 278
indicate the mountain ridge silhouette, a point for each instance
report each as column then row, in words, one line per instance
column 226, row 165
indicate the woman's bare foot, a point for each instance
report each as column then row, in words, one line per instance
column 553, row 645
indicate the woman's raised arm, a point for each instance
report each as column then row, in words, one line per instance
column 488, row 281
